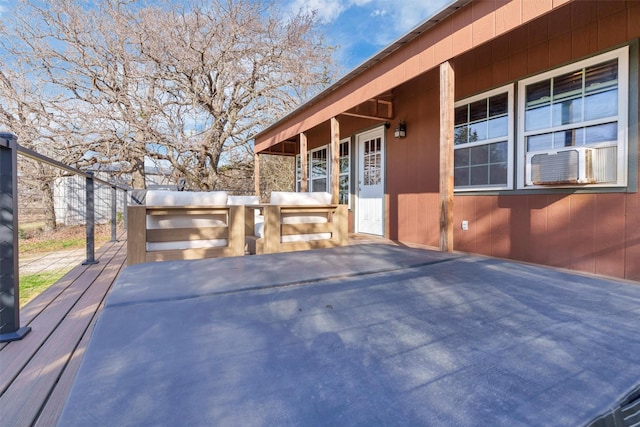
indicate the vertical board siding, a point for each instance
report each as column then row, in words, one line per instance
column 609, row 234
column 596, row 233
column 582, row 232
column 632, row 237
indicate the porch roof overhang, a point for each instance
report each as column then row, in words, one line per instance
column 459, row 27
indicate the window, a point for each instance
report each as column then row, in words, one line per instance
column 298, row 173
column 573, row 124
column 345, row 173
column 320, row 171
column 483, row 141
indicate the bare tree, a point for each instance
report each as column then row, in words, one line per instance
column 26, row 114
column 186, row 83
column 233, row 66
column 277, row 173
column 94, row 80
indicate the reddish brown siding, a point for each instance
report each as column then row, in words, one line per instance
column 413, row 164
column 596, row 233
column 631, row 241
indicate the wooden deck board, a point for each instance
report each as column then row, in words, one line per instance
column 54, row 405
column 13, row 358
column 37, row 371
column 40, row 302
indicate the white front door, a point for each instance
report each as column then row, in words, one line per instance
column 370, row 200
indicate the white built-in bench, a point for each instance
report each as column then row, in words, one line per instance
column 296, row 221
column 184, row 225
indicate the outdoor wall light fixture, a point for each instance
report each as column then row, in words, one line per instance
column 401, row 130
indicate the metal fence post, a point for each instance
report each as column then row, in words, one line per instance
column 125, row 204
column 90, row 219
column 114, row 212
column 10, row 329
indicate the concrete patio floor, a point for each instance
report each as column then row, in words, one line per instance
column 358, row 335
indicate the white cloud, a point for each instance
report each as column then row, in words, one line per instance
column 328, row 10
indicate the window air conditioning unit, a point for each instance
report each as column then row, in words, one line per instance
column 572, row 165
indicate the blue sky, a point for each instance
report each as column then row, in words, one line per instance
column 358, row 28
column 361, row 28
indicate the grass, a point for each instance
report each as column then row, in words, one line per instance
column 33, row 285
column 34, row 242
column 46, row 246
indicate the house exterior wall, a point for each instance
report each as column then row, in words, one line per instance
column 490, row 44
column 596, row 231
column 413, row 164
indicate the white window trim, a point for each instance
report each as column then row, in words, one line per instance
column 348, row 173
column 327, row 176
column 298, row 177
column 510, row 137
column 622, row 54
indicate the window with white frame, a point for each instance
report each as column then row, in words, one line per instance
column 573, row 124
column 298, row 173
column 483, row 141
column 320, row 171
column 345, row 173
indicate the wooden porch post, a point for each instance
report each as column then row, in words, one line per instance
column 256, row 174
column 304, row 166
column 446, row 156
column 335, row 160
